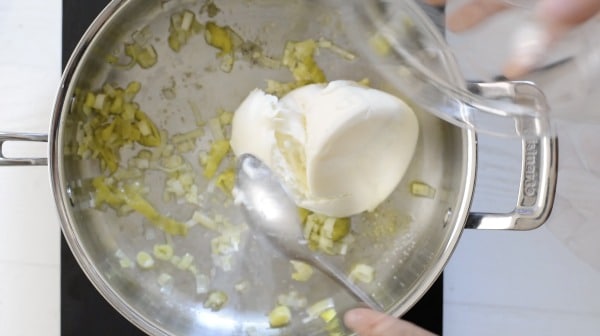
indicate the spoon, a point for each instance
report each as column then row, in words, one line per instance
column 271, row 213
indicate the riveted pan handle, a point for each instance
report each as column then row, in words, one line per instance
column 21, row 137
column 539, row 162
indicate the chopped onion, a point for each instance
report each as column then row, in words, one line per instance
column 191, row 135
column 280, row 317
column 328, row 315
column 316, row 309
column 202, row 219
column 421, row 189
column 144, row 259
column 163, row 252
column 216, row 300
column 218, row 151
column 242, row 286
column 303, row 271
column 225, row 117
column 99, row 102
column 363, row 273
column 188, row 19
column 223, row 262
column 292, row 299
column 308, row 229
column 185, row 262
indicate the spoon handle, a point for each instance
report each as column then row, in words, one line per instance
column 335, row 274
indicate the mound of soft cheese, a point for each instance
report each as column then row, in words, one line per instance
column 340, row 148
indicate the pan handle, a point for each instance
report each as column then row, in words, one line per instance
column 21, row 137
column 539, row 162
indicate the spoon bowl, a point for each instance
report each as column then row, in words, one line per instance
column 272, row 214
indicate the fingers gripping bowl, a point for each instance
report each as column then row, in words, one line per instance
column 141, row 171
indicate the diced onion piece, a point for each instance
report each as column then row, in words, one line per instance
column 99, row 102
column 225, row 117
column 133, row 88
column 202, row 219
column 90, row 100
column 308, row 228
column 327, row 228
column 299, row 58
column 185, row 262
column 147, row 58
column 292, row 299
column 163, row 252
column 124, row 261
column 363, row 273
column 191, row 135
column 328, row 315
column 227, row 63
column 142, row 36
column 188, row 19
column 242, row 286
column 219, row 37
column 280, row 317
column 226, row 181
column 216, row 300
column 223, row 262
column 421, row 189
column 325, row 243
column 144, row 56
column 316, row 309
column 218, row 151
column 144, row 259
column 303, row 271
column 144, row 128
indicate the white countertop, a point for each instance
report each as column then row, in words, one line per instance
column 543, row 282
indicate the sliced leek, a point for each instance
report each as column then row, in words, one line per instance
column 144, row 259
column 163, row 251
column 280, row 317
column 363, row 273
column 216, row 300
column 302, row 271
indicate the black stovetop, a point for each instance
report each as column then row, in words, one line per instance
column 83, row 310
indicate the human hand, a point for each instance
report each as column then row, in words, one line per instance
column 367, row 322
column 551, row 20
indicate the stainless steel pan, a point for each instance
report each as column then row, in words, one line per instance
column 407, row 240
